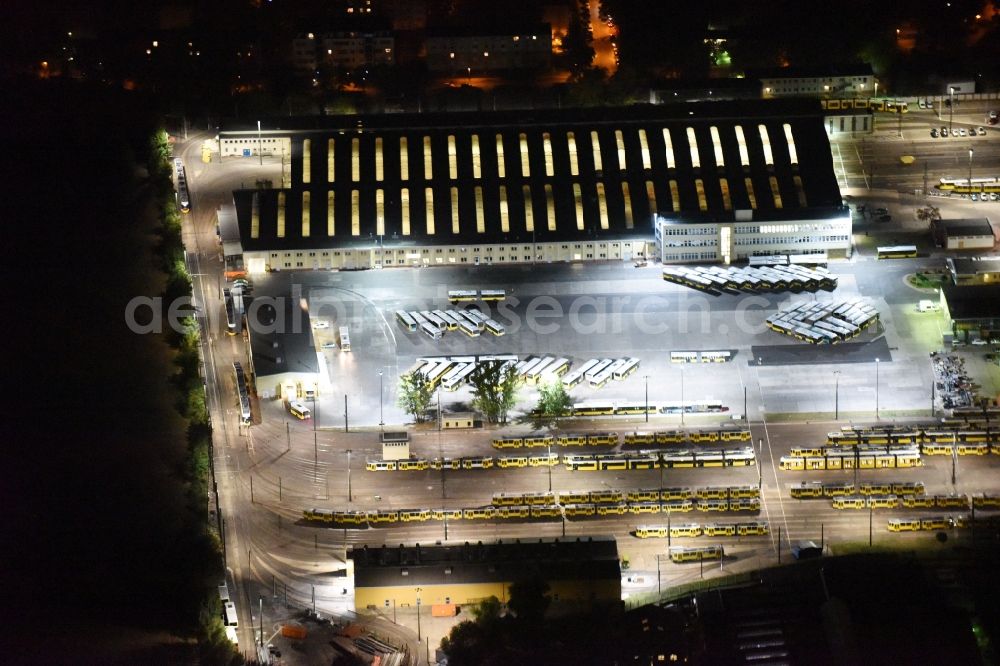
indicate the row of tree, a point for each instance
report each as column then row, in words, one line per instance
column 495, row 388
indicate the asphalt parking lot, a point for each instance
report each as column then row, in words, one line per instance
column 616, row 310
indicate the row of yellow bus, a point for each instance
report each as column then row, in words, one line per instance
column 815, row 489
column 630, row 439
column 697, row 530
column 515, row 511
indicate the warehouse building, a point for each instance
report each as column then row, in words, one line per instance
column 963, row 234
column 710, row 182
column 579, row 571
column 973, row 310
column 974, row 270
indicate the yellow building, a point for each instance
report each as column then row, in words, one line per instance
column 578, row 571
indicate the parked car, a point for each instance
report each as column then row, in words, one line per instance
column 961, row 131
column 974, row 196
column 944, row 131
column 320, row 325
column 981, row 131
column 934, row 133
column 885, row 218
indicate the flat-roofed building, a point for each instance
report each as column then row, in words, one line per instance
column 457, row 49
column 714, row 182
column 963, row 234
column 855, row 80
column 973, row 310
column 974, row 270
column 582, row 571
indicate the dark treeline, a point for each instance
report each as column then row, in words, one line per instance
column 108, row 558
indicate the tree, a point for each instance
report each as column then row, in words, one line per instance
column 529, row 600
column 494, row 390
column 414, row 395
column 928, row 214
column 553, row 400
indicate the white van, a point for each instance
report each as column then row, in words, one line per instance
column 927, row 306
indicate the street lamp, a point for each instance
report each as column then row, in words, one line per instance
column 876, row 388
column 418, row 614
column 836, row 395
column 970, row 170
column 260, row 155
column 682, row 395
column 381, row 420
column 469, row 72
column 951, row 108
column 349, row 498
column 646, row 379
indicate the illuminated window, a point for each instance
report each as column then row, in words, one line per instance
column 255, row 216
column 774, row 191
column 766, row 140
column 790, row 140
column 379, row 212
column 644, row 146
column 378, row 158
column 750, row 193
column 742, row 141
column 501, row 169
column 476, row 170
column 699, row 186
column 452, row 158
column 727, row 200
column 480, row 221
column 305, row 214
column 628, row 209
column 404, row 160
column 404, row 205
column 547, row 149
column 428, row 170
column 525, row 168
column 504, row 215
column 574, row 166
column 578, row 201
column 355, row 213
column 602, row 206
column 454, row 211
column 355, row 160
column 550, row 211
column 429, row 210
column 651, row 196
column 306, row 160
column 329, row 213
column 529, row 214
column 595, row 145
column 675, row 196
column 720, row 160
column 693, row 144
column 281, row 214
column 669, row 148
column 329, row 161
column 801, row 192
column 620, row 143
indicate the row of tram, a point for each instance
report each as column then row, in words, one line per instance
column 753, row 528
column 742, row 457
column 530, row 511
column 628, row 439
column 849, row 457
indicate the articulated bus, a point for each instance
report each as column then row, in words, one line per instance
column 494, row 327
column 299, row 411
column 438, row 373
column 492, row 294
column 460, row 295
column 897, row 252
column 627, row 368
column 453, row 381
column 533, row 375
column 243, row 392
column 434, row 320
column 449, row 323
column 406, row 321
column 431, row 330
column 232, row 321
column 683, row 357
column 558, row 368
